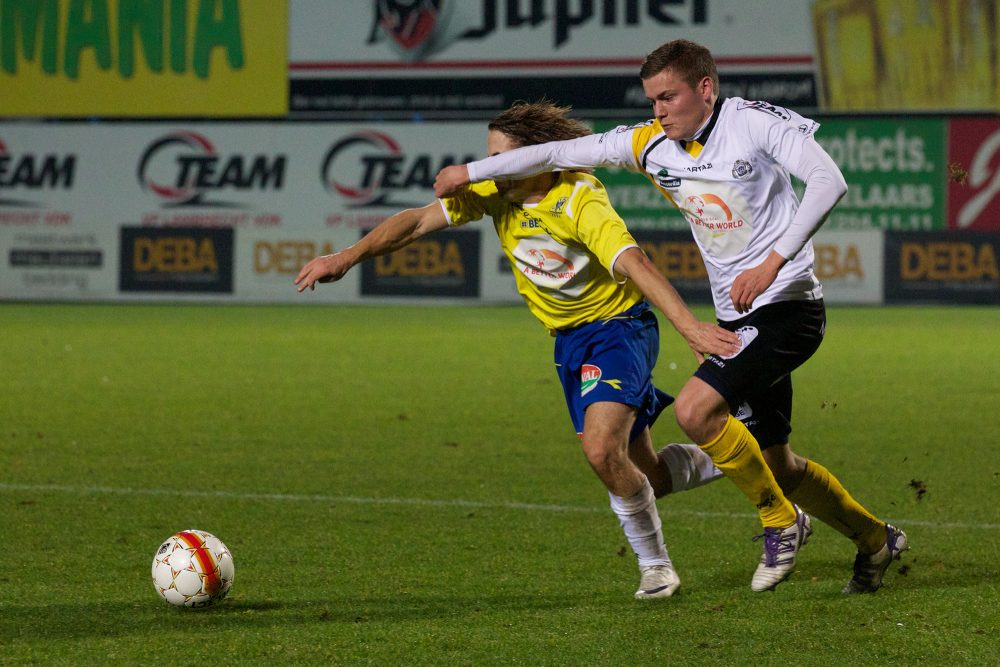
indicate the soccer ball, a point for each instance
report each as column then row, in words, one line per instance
column 193, row 569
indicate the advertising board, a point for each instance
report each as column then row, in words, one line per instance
column 950, row 267
column 974, row 183
column 470, row 59
column 123, row 58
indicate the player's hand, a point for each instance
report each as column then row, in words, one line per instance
column 706, row 338
column 324, row 269
column 451, row 180
column 751, row 283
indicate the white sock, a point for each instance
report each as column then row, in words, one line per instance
column 690, row 467
column 642, row 526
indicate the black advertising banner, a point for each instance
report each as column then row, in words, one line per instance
column 469, row 98
column 678, row 258
column 176, row 259
column 73, row 259
column 949, row 267
column 444, row 264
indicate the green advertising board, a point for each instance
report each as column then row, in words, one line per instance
column 895, row 171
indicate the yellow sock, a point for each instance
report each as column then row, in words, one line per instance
column 822, row 495
column 736, row 453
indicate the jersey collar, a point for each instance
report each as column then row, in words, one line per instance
column 694, row 146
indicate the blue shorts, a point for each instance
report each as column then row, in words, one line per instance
column 612, row 360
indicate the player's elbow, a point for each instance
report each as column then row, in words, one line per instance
column 839, row 185
column 833, row 177
column 827, row 185
column 628, row 263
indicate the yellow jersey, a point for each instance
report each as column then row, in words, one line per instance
column 562, row 250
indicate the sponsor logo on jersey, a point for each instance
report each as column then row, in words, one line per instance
column 590, row 375
column 549, row 261
column 700, row 167
column 766, row 107
column 747, row 336
column 699, row 204
column 720, row 228
column 666, row 180
column 742, row 169
column 550, row 266
column 628, row 128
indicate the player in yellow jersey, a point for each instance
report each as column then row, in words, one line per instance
column 585, row 278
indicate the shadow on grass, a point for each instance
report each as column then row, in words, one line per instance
column 114, row 619
column 817, row 579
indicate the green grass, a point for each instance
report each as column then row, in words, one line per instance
column 403, row 486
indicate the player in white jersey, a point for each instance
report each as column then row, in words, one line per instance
column 586, row 280
column 725, row 164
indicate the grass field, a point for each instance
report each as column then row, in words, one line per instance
column 402, row 486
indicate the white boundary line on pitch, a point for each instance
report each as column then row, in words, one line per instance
column 417, row 502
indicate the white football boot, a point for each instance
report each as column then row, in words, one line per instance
column 781, row 546
column 658, row 581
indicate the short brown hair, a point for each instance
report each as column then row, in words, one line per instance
column 530, row 123
column 692, row 62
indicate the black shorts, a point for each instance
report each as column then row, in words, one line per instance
column 757, row 382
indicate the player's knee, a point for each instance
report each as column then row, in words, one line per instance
column 692, row 418
column 603, row 454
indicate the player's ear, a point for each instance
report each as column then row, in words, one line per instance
column 705, row 87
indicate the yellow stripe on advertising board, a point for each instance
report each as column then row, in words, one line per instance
column 134, row 58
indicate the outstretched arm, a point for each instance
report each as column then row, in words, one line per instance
column 392, row 234
column 593, row 150
column 702, row 337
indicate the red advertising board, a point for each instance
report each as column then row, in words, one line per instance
column 974, row 162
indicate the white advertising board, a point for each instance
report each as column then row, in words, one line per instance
column 576, row 33
column 850, row 265
column 231, row 211
column 75, row 199
column 467, row 59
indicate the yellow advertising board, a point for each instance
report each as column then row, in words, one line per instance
column 899, row 55
column 134, row 58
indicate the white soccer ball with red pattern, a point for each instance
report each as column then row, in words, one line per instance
column 193, row 569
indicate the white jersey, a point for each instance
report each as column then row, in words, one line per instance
column 731, row 184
